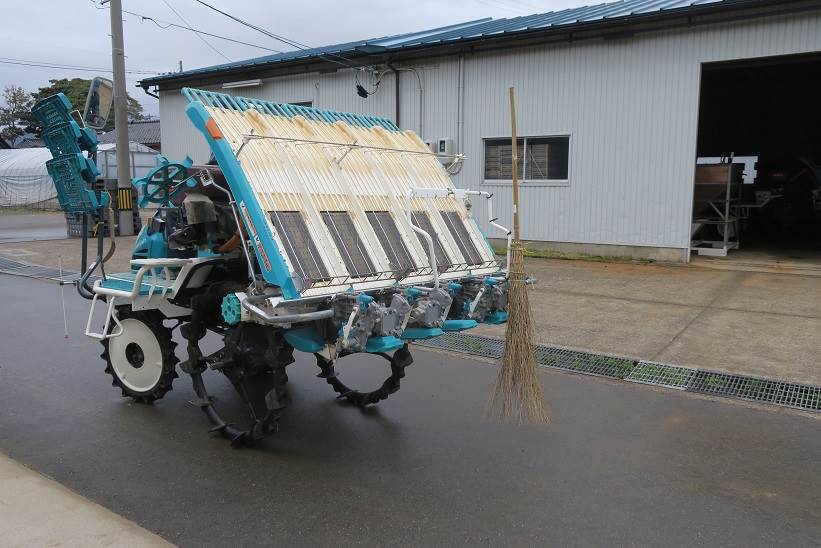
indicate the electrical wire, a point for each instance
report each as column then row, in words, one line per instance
column 46, row 64
column 167, row 24
column 293, row 43
column 198, row 35
column 162, row 24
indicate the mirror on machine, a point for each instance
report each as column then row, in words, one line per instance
column 98, row 103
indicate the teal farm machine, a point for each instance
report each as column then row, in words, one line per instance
column 325, row 232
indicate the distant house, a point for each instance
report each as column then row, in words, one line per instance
column 144, row 132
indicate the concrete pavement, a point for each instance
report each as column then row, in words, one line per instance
column 38, row 511
column 755, row 323
column 23, row 227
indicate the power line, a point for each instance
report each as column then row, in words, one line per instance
column 201, row 37
column 293, row 43
column 167, row 24
column 160, row 23
column 46, row 64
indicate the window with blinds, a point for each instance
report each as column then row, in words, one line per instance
column 539, row 159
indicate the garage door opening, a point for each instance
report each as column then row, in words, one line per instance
column 764, row 118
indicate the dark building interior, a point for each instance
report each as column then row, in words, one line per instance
column 770, row 109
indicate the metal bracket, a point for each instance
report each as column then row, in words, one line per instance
column 110, row 313
column 347, row 150
column 245, row 140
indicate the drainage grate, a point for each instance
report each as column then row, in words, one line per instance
column 475, row 345
column 797, row 396
column 18, row 268
column 660, row 374
column 547, row 356
column 584, row 362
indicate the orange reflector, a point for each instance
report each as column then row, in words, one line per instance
column 213, row 130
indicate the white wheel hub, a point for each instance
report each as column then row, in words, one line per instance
column 136, row 356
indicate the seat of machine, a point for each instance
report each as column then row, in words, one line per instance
column 124, row 281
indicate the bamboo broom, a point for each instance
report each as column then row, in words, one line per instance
column 517, row 395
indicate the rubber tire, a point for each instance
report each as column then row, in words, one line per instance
column 153, row 320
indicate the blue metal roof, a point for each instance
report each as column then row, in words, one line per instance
column 470, row 30
column 223, row 100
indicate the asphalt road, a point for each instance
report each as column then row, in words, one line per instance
column 620, row 464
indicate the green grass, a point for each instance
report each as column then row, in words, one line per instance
column 566, row 256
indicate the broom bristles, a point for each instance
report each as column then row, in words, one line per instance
column 517, row 395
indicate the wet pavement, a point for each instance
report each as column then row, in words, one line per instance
column 620, row 464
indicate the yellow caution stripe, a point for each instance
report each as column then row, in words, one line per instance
column 124, row 199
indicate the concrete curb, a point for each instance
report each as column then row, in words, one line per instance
column 38, row 511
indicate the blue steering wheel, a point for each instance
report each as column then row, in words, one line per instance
column 164, row 182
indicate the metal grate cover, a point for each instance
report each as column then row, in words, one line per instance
column 584, row 362
column 660, row 374
column 800, row 396
column 462, row 238
column 794, row 395
column 18, row 268
column 547, row 356
column 299, row 245
column 385, row 228
column 349, row 243
column 421, row 219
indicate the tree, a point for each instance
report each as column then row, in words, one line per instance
column 14, row 112
column 76, row 89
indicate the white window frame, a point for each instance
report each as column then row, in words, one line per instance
column 522, row 180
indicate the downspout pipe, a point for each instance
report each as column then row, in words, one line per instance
column 396, row 91
column 145, row 89
column 460, row 106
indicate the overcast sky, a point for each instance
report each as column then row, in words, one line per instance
column 49, row 31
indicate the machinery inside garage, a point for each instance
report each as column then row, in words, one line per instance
column 758, row 178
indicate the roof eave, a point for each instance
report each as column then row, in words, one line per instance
column 615, row 28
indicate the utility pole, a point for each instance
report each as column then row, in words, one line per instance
column 125, row 219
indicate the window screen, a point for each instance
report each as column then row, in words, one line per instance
column 299, row 246
column 539, row 159
column 348, row 243
column 460, row 234
column 385, row 228
column 421, row 219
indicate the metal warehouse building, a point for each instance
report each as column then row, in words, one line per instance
column 616, row 104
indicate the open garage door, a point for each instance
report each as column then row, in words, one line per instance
column 763, row 116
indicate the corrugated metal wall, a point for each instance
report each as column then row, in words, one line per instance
column 630, row 106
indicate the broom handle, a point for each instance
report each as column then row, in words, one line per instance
column 515, row 169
